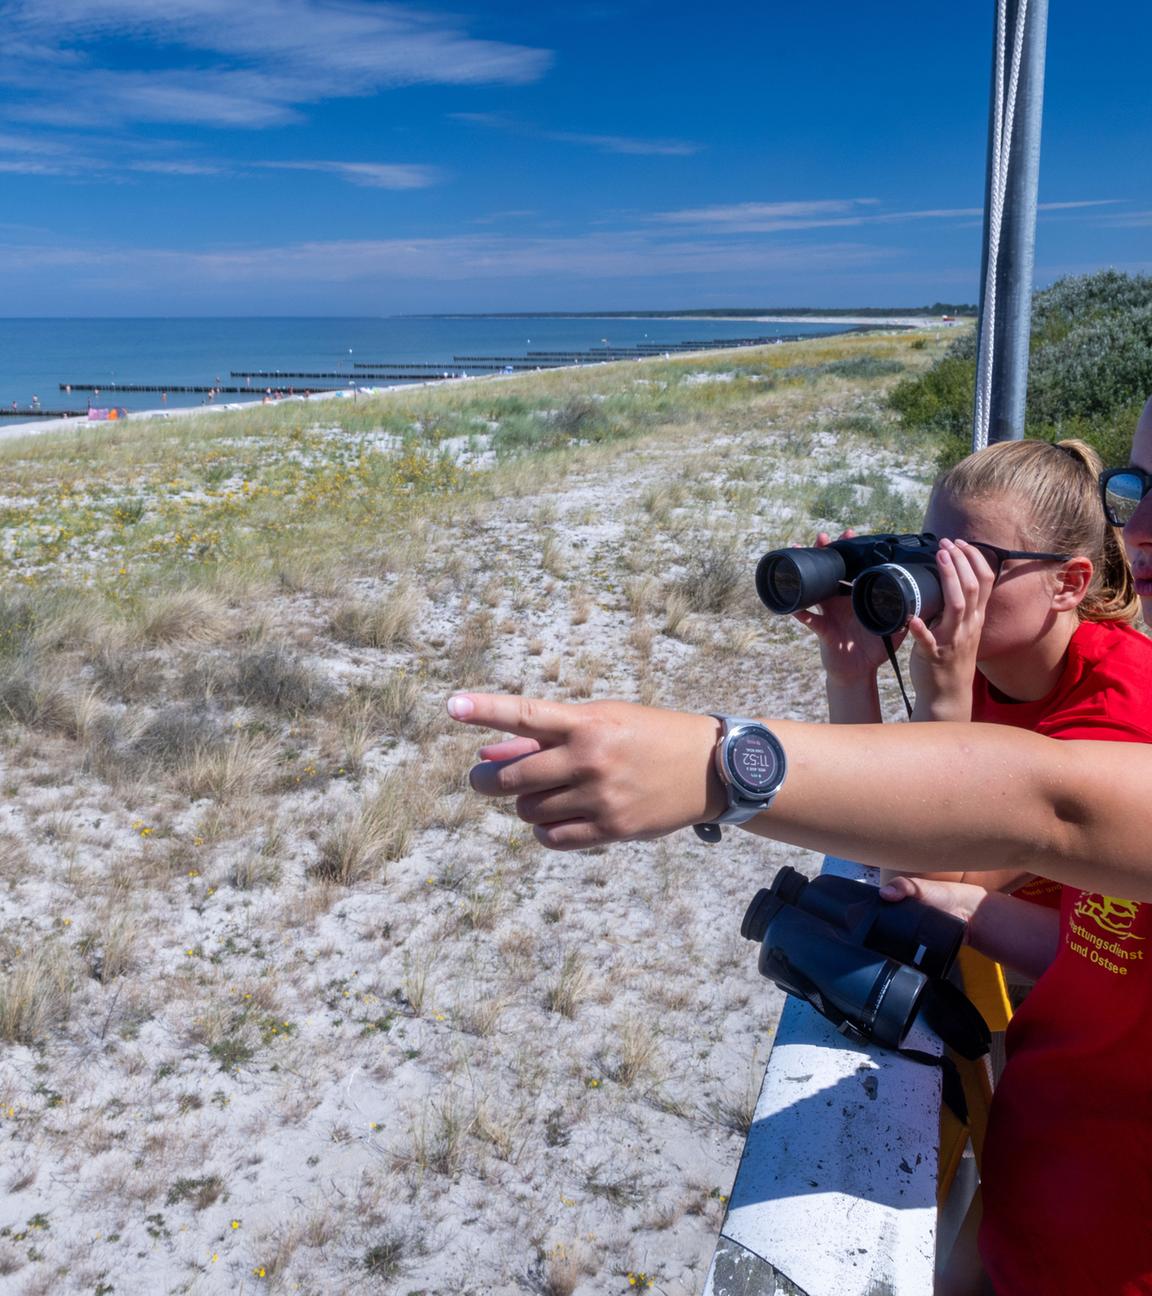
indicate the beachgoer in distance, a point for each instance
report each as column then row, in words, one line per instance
column 970, row 798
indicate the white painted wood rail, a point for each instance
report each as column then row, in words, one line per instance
column 836, row 1190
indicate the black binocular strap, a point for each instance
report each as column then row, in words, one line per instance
column 887, row 641
column 949, row 1012
column 951, row 1086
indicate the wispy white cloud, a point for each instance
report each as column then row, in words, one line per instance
column 216, row 62
column 372, row 175
column 497, row 217
column 117, row 160
column 1080, row 202
column 1139, row 219
column 178, row 168
column 626, row 144
column 27, row 166
column 629, row 144
column 451, row 259
column 830, row 213
column 745, row 213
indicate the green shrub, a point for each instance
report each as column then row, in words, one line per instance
column 939, row 401
column 1090, row 370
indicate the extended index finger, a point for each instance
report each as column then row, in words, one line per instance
column 548, row 722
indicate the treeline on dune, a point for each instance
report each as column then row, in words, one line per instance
column 1090, row 369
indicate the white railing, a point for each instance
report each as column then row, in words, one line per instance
column 836, row 1190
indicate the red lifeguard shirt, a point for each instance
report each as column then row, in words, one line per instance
column 1067, row 1174
column 1103, row 692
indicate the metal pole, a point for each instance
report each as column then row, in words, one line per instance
column 1011, row 316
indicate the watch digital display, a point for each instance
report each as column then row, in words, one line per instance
column 756, row 763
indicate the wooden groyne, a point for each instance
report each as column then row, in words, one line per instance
column 294, row 382
column 181, row 388
column 35, row 412
column 278, row 375
column 373, row 366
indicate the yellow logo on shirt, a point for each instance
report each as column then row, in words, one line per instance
column 1115, row 916
column 1112, row 916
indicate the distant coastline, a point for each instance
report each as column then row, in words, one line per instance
column 751, row 314
column 63, row 365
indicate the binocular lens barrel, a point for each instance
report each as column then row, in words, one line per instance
column 759, row 914
column 887, row 597
column 872, row 996
column 790, row 579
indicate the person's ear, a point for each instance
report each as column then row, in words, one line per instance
column 1072, row 582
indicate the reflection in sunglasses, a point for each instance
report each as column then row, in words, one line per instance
column 1121, row 490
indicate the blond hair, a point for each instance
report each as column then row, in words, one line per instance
column 1057, row 484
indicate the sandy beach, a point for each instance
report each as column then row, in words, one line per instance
column 286, row 1007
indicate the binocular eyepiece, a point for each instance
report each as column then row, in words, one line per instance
column 891, row 578
column 868, row 965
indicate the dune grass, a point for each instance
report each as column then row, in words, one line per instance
column 260, row 941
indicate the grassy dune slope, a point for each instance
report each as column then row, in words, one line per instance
column 283, row 1007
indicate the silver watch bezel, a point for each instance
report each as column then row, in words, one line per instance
column 737, row 792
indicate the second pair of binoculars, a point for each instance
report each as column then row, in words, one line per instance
column 890, row 578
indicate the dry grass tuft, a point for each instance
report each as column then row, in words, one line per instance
column 561, row 1269
column 385, row 624
column 468, row 657
column 437, row 1140
column 260, row 866
column 717, row 581
column 276, row 678
column 480, row 1012
column 35, row 994
column 31, row 697
column 636, row 1051
column 570, row 988
column 358, row 848
column 184, row 616
column 228, row 772
column 677, row 611
column 110, row 948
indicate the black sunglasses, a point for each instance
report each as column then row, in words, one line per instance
column 997, row 557
column 1121, row 490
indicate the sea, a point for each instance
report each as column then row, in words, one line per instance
column 40, row 358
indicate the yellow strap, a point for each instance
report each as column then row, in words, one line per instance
column 984, row 984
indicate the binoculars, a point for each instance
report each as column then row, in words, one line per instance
column 870, row 966
column 891, row 578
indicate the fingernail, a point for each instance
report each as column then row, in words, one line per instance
column 889, row 892
column 944, row 557
column 460, row 706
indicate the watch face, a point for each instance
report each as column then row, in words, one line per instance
column 756, row 762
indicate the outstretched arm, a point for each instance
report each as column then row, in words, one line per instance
column 949, row 797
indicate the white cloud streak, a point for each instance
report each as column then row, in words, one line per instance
column 625, row 144
column 113, row 160
column 371, row 175
column 251, row 65
column 831, row 213
column 634, row 145
column 452, row 259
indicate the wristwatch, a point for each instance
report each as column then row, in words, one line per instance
column 752, row 765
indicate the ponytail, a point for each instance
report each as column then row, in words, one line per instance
column 1112, row 593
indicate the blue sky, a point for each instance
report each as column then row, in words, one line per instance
column 345, row 157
